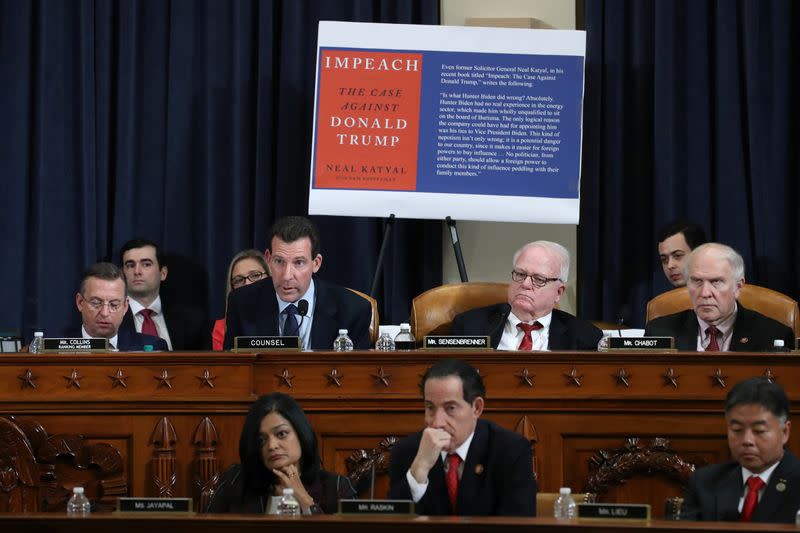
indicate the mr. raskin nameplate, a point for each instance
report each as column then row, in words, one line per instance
column 250, row 344
column 376, row 506
column 640, row 343
column 616, row 511
column 460, row 342
column 154, row 505
column 74, row 345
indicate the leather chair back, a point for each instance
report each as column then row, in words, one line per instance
column 432, row 312
column 769, row 303
column 374, row 323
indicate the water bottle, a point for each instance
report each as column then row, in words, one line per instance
column 405, row 339
column 797, row 518
column 78, row 504
column 342, row 343
column 385, row 343
column 37, row 344
column 288, row 506
column 565, row 506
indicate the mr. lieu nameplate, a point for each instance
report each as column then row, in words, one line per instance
column 250, row 344
column 75, row 345
column 640, row 343
column 460, row 342
column 614, row 511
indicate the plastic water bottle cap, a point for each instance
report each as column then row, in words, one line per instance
column 405, row 325
column 148, row 347
column 778, row 343
column 342, row 332
column 565, row 490
column 77, row 490
column 38, row 334
column 288, row 492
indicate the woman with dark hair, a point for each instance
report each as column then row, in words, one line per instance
column 278, row 450
column 248, row 266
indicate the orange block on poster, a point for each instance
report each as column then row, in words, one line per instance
column 367, row 120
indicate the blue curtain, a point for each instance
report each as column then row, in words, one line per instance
column 188, row 122
column 691, row 111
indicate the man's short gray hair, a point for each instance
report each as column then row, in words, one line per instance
column 726, row 252
column 560, row 251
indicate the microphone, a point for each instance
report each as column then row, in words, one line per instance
column 302, row 310
column 624, row 313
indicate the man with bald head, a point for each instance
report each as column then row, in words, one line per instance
column 529, row 321
column 717, row 322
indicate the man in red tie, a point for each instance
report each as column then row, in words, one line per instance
column 762, row 483
column 460, row 464
column 530, row 321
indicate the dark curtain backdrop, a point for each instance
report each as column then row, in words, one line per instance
column 188, row 122
column 691, row 111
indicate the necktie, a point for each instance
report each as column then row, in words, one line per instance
column 451, row 479
column 754, row 484
column 148, row 326
column 291, row 328
column 527, row 340
column 713, row 346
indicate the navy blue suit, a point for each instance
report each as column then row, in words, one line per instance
column 253, row 311
column 567, row 332
column 131, row 341
column 497, row 478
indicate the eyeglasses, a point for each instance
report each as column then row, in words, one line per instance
column 238, row 281
column 536, row 280
column 114, row 306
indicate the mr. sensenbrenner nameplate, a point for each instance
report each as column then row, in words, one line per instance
column 376, row 507
column 266, row 343
column 56, row 345
column 640, row 343
column 617, row 511
column 461, row 342
column 154, row 505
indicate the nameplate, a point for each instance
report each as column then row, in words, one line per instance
column 616, row 511
column 640, row 343
column 248, row 344
column 154, row 505
column 376, row 507
column 461, row 342
column 72, row 345
column 10, row 344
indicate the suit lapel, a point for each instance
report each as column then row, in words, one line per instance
column 687, row 337
column 472, row 478
column 557, row 338
column 497, row 322
column 772, row 500
column 728, row 494
column 324, row 323
column 438, row 490
column 742, row 330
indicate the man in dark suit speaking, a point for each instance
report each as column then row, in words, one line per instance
column 529, row 321
column 460, row 464
column 718, row 323
column 762, row 483
column 274, row 306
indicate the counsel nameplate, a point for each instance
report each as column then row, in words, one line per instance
column 154, row 505
column 376, row 507
column 640, row 343
column 249, row 344
column 617, row 511
column 461, row 342
column 72, row 345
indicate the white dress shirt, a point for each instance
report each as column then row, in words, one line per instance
column 156, row 315
column 512, row 335
column 305, row 326
column 765, row 475
column 418, row 489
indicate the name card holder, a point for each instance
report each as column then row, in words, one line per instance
column 456, row 342
column 614, row 511
column 10, row 343
column 74, row 345
column 155, row 505
column 641, row 343
column 391, row 507
column 257, row 344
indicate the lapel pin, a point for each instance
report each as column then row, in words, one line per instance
column 781, row 486
column 479, row 469
column 744, row 340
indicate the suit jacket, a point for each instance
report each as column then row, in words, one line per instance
column 567, row 332
column 187, row 326
column 497, row 477
column 752, row 331
column 253, row 311
column 714, row 492
column 130, row 341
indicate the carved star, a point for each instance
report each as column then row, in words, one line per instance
column 381, row 377
column 718, row 379
column 670, row 378
column 73, row 379
column 28, row 379
column 207, row 379
column 525, row 377
column 119, row 379
column 285, row 377
column 164, row 379
column 334, row 377
column 769, row 376
column 573, row 378
column 623, row 378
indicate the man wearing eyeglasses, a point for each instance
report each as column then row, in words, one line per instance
column 529, row 321
column 102, row 301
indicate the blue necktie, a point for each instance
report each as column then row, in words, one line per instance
column 291, row 328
